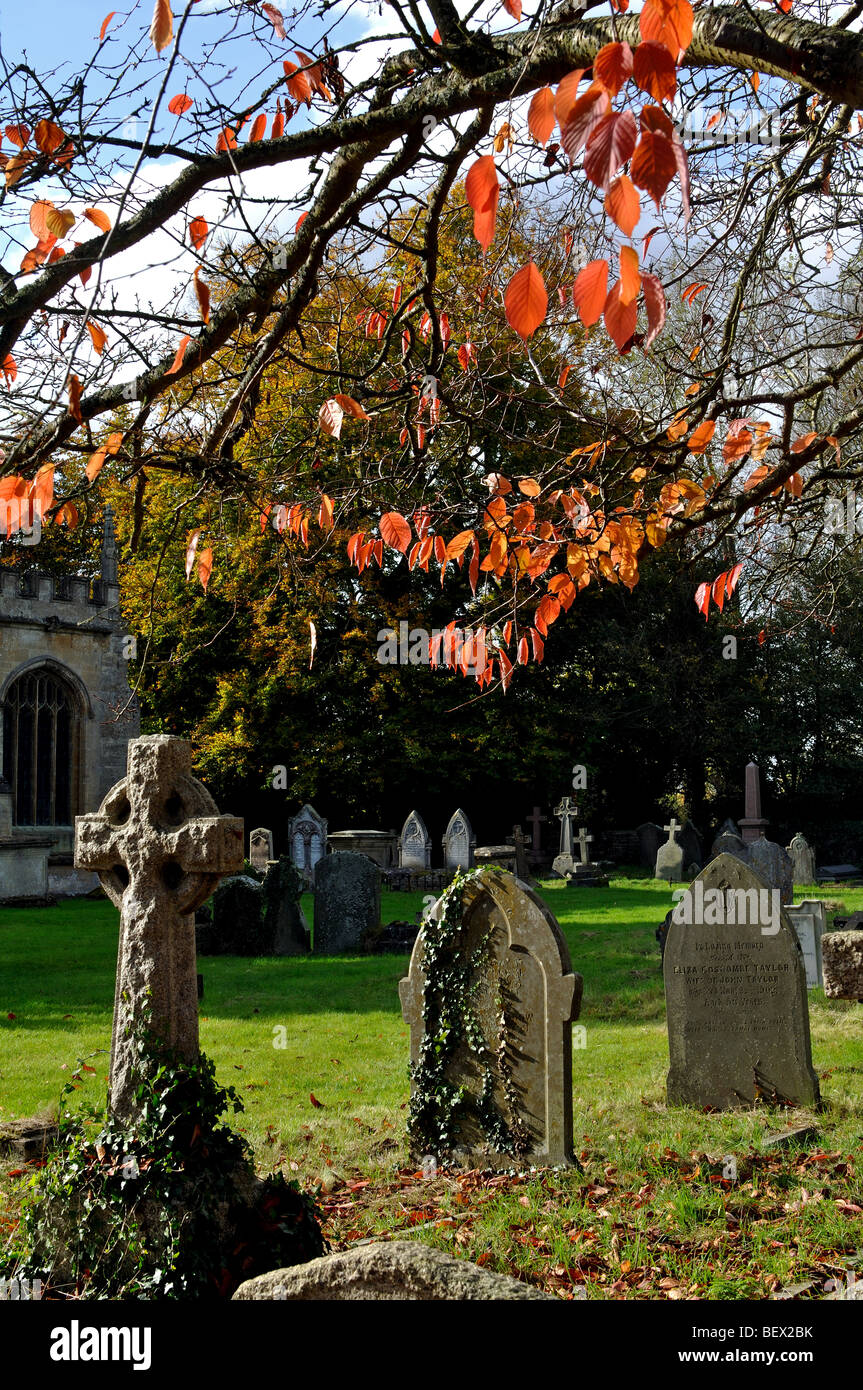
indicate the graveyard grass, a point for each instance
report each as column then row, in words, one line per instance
column 647, row 1215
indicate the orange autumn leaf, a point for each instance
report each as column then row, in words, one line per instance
column 526, row 300
column 590, row 292
column 180, row 104
column 179, row 355
column 259, row 128
column 482, row 190
column 48, row 136
column 325, row 514
column 98, row 336
column 623, row 205
column 202, row 293
column 701, row 437
column 529, row 486
column 612, row 66
column 620, row 318
column 540, row 115
column 38, row 214
column 395, row 530
column 9, row 369
column 668, row 22
column 74, row 387
column 105, row 22
column 198, row 231
column 299, row 85
column 655, row 71
column 162, row 25
column 99, row 218
column 630, row 277
column 351, row 407
column 205, row 567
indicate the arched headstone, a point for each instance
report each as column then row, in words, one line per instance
column 525, row 1001
column 459, row 842
column 802, row 857
column 307, row 839
column 414, row 843
column 735, row 993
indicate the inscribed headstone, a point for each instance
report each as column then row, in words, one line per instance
column 414, row 843
column 459, row 842
column 735, row 990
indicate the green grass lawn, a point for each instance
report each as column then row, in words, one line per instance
column 647, row 1214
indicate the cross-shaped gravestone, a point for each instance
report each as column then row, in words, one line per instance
column 159, row 847
column 566, row 812
column 535, row 821
column 583, row 842
column 672, row 831
column 519, row 839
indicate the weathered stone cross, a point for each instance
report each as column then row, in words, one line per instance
column 566, row 812
column 583, row 841
column 672, row 831
column 535, row 821
column 159, row 847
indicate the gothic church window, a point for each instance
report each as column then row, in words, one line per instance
column 40, row 748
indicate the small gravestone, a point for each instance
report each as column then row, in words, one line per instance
column 285, row 930
column 536, row 820
column 650, row 837
column 307, row 838
column 237, row 928
column 459, row 842
column 669, row 857
column 347, row 902
column 843, row 964
column 524, row 997
column 772, row 863
column 728, row 841
column 414, row 843
column 519, row 844
column 802, row 858
column 690, row 842
column 260, row 850
column 159, row 847
column 499, row 856
column 735, row 991
column 808, row 927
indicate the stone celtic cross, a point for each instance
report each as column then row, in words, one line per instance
column 159, row 847
column 566, row 811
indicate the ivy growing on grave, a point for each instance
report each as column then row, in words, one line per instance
column 441, row 1109
column 165, row 1206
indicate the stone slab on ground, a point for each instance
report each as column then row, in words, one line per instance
column 27, row 1138
column 387, row 1271
column 792, row 1138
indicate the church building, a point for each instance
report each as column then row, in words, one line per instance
column 67, row 714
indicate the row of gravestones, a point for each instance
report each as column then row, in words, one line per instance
column 737, row 1011
column 250, row 918
column 307, row 840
